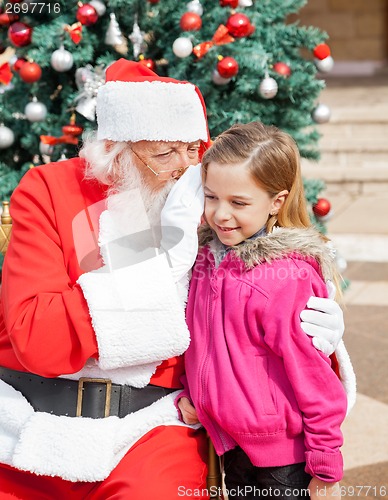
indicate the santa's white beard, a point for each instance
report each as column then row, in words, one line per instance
column 136, row 205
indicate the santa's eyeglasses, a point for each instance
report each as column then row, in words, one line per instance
column 173, row 173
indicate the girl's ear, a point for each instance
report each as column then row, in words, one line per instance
column 278, row 201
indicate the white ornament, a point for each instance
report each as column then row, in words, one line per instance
column 13, row 59
column 114, row 36
column 137, row 39
column 182, row 47
column 341, row 263
column 61, row 60
column 268, row 87
column 324, row 65
column 4, row 88
column 321, row 113
column 195, row 6
column 245, row 3
column 7, row 137
column 327, row 217
column 46, row 149
column 218, row 79
column 35, row 111
column 98, row 6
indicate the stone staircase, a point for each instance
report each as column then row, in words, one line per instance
column 354, row 143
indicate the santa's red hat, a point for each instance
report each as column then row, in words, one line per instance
column 136, row 104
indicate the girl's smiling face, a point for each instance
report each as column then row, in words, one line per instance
column 236, row 207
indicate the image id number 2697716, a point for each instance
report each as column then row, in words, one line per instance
column 32, row 8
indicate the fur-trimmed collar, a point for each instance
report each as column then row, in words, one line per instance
column 280, row 243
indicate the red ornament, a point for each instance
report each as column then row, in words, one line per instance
column 72, row 129
column 282, row 69
column 30, row 72
column 7, row 19
column 18, row 64
column 153, row 1
column 229, row 3
column 190, row 21
column 227, row 67
column 322, row 51
column 20, row 34
column 6, row 74
column 321, row 207
column 87, row 15
column 148, row 63
column 239, row 25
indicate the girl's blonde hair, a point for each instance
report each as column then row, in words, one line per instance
column 273, row 159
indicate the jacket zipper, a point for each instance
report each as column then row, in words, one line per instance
column 210, row 346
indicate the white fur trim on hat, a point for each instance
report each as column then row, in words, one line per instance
column 152, row 111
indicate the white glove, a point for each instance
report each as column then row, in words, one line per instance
column 324, row 321
column 180, row 218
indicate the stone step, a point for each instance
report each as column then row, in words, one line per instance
column 354, row 145
column 350, row 159
column 340, row 174
column 356, row 112
column 358, row 131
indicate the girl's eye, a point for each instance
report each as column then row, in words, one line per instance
column 209, row 197
column 239, row 203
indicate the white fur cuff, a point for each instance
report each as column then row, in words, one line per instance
column 136, row 314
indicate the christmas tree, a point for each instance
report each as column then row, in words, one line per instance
column 249, row 61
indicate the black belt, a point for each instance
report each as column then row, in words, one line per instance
column 86, row 397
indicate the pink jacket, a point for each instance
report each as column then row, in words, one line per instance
column 254, row 376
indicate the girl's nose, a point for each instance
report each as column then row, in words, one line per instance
column 222, row 214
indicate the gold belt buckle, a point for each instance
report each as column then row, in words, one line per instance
column 86, row 380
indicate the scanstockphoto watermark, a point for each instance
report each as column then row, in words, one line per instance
column 241, row 492
column 237, row 270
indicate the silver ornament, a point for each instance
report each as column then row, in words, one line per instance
column 195, row 6
column 4, row 88
column 182, row 47
column 46, row 149
column 35, row 111
column 114, row 36
column 268, row 87
column 324, row 65
column 218, row 79
column 61, row 60
column 88, row 81
column 7, row 137
column 137, row 39
column 245, row 3
column 63, row 157
column 341, row 262
column 327, row 217
column 99, row 7
column 321, row 114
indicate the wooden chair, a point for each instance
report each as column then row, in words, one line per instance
column 214, row 474
column 214, row 477
column 5, row 227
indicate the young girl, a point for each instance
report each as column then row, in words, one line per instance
column 271, row 403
